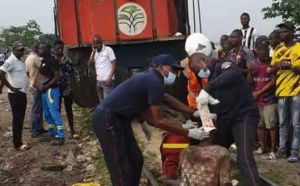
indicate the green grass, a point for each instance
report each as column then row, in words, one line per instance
column 101, row 168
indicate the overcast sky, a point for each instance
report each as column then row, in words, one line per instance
column 218, row 16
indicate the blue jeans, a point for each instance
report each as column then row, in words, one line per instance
column 52, row 114
column 103, row 90
column 36, row 112
column 289, row 114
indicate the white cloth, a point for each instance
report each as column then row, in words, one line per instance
column 271, row 52
column 103, row 63
column 16, row 73
column 250, row 38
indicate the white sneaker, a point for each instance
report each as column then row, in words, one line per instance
column 234, row 182
column 272, row 156
column 259, row 151
column 178, row 34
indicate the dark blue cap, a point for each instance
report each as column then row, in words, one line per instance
column 165, row 59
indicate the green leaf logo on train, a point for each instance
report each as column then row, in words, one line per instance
column 132, row 19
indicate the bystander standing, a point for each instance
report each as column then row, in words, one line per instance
column 105, row 62
column 17, row 85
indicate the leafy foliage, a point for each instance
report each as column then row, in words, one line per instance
column 287, row 9
column 28, row 34
column 48, row 38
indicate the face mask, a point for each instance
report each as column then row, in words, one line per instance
column 202, row 73
column 170, row 79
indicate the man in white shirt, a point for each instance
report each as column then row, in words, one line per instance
column 250, row 34
column 17, row 85
column 2, row 59
column 32, row 66
column 105, row 63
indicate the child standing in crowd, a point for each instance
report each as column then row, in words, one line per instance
column 263, row 84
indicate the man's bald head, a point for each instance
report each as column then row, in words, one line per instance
column 97, row 43
column 199, row 61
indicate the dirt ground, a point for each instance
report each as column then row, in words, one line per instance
column 25, row 167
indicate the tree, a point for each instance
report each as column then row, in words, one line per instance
column 287, row 9
column 28, row 34
column 48, row 38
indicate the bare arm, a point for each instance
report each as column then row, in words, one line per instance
column 273, row 70
column 250, row 74
column 1, row 87
column 296, row 70
column 113, row 69
column 112, row 72
column 92, row 58
column 266, row 88
column 6, row 83
column 54, row 80
column 250, row 79
column 244, row 71
column 176, row 105
column 155, row 117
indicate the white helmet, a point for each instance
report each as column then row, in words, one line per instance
column 198, row 43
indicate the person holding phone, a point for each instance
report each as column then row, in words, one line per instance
column 104, row 59
column 286, row 65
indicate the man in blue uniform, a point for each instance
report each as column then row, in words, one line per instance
column 143, row 93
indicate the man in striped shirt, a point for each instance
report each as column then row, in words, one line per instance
column 250, row 34
column 286, row 64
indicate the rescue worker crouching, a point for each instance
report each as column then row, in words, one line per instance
column 143, row 92
column 173, row 144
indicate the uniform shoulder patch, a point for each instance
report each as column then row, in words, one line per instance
column 6, row 65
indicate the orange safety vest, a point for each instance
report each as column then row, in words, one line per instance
column 193, row 87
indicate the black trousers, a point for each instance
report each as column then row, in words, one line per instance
column 242, row 131
column 68, row 101
column 18, row 103
column 224, row 136
column 181, row 15
column 121, row 152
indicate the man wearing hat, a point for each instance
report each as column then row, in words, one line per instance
column 286, row 64
column 17, row 85
column 142, row 93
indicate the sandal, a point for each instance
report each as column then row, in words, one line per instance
column 23, row 147
column 75, row 136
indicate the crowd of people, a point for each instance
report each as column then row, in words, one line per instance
column 252, row 84
column 50, row 76
column 253, row 81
